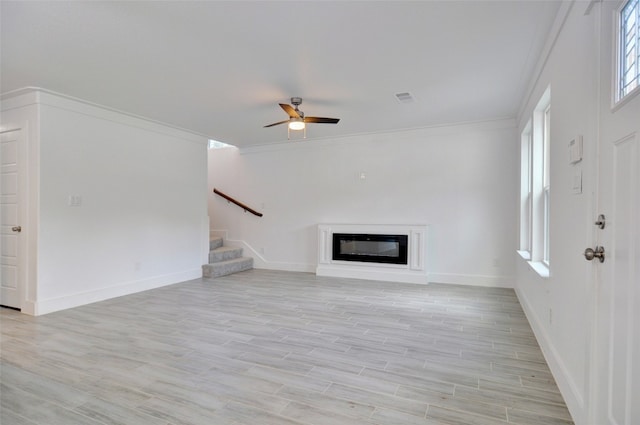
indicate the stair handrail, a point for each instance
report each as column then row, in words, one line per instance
column 238, row 203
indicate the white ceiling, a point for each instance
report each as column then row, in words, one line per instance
column 221, row 68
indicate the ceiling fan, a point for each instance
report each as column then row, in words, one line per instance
column 297, row 120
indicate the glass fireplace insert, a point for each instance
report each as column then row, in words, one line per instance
column 370, row 248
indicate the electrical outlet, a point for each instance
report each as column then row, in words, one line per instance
column 551, row 316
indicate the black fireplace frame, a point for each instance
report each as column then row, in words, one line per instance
column 402, row 240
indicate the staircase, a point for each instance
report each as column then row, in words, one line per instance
column 225, row 260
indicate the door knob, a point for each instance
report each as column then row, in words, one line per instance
column 598, row 253
column 16, row 229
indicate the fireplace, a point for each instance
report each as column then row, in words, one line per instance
column 388, row 252
column 370, row 248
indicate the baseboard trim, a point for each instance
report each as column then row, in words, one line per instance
column 28, row 307
column 82, row 298
column 287, row 267
column 259, row 262
column 568, row 388
column 472, row 280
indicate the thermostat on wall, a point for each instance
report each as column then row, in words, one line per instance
column 575, row 150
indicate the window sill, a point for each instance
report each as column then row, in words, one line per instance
column 526, row 255
column 539, row 267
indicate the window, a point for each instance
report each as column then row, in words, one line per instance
column 525, row 192
column 535, row 186
column 628, row 74
column 546, row 139
column 214, row 144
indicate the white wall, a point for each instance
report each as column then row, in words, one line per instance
column 143, row 218
column 461, row 180
column 559, row 307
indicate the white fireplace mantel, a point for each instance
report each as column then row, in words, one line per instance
column 413, row 272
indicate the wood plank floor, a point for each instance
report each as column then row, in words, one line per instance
column 266, row 347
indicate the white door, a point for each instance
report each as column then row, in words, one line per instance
column 617, row 291
column 618, row 282
column 11, row 231
column 616, row 366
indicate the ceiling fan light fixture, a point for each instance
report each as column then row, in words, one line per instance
column 296, row 124
column 297, row 120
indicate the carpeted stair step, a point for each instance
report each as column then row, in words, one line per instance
column 227, row 267
column 224, row 253
column 225, row 260
column 215, row 243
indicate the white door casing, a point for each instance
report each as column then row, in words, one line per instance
column 11, row 276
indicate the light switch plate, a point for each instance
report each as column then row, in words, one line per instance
column 576, row 187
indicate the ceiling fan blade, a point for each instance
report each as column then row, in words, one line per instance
column 276, row 123
column 321, row 120
column 289, row 110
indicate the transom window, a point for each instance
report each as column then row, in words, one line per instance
column 215, row 144
column 628, row 75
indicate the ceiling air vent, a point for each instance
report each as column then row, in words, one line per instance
column 405, row 97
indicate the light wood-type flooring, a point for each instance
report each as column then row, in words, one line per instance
column 280, row 348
